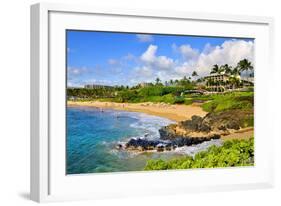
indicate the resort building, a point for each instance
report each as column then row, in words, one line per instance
column 224, row 82
column 97, row 86
column 145, row 84
column 248, row 80
column 217, row 78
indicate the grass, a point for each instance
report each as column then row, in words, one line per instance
column 171, row 95
column 230, row 101
column 232, row 153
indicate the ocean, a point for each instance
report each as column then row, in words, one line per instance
column 92, row 136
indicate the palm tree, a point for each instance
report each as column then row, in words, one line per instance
column 215, row 69
column 171, row 82
column 235, row 72
column 245, row 65
column 227, row 69
column 194, row 74
column 234, row 81
column 157, row 80
column 221, row 70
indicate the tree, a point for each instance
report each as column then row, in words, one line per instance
column 171, row 82
column 235, row 71
column 221, row 70
column 194, row 74
column 245, row 65
column 157, row 80
column 234, row 81
column 215, row 69
column 227, row 69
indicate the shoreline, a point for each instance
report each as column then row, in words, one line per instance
column 173, row 112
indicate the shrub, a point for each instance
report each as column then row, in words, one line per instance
column 232, row 153
column 179, row 100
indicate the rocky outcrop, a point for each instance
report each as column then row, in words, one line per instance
column 209, row 127
column 193, row 131
column 233, row 119
column 141, row 144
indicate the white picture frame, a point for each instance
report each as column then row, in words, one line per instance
column 49, row 183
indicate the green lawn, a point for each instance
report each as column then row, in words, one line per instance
column 230, row 101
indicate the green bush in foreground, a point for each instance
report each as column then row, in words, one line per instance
column 232, row 153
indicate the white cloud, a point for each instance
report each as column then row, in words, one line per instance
column 76, row 70
column 184, row 69
column 97, row 81
column 113, row 62
column 150, row 65
column 144, row 71
column 166, row 68
column 150, row 59
column 149, row 55
column 208, row 48
column 144, row 38
column 230, row 52
column 188, row 52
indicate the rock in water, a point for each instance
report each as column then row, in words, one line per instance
column 141, row 144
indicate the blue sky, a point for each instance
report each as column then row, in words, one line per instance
column 127, row 58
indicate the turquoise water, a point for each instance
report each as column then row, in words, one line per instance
column 92, row 135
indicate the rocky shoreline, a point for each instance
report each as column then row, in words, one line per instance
column 190, row 132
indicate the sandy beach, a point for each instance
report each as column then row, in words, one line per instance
column 172, row 112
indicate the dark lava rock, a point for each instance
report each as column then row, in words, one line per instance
column 233, row 119
column 193, row 125
column 205, row 128
column 160, row 148
column 143, row 143
column 160, row 145
column 187, row 141
column 233, row 125
column 168, row 132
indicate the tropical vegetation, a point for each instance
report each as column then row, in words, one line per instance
column 231, row 154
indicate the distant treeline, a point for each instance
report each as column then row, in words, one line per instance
column 152, row 92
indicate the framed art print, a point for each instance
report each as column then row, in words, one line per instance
column 131, row 102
